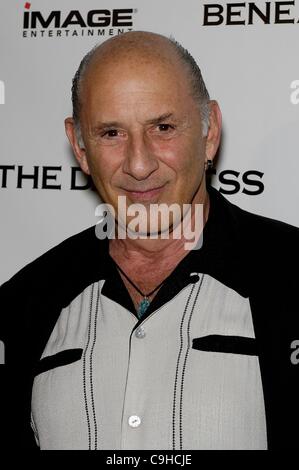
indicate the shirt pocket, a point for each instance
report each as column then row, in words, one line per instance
column 226, row 344
column 62, row 358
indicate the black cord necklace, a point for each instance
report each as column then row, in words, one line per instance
column 145, row 302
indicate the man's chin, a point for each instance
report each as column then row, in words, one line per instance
column 143, row 231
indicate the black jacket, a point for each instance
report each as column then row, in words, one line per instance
column 255, row 255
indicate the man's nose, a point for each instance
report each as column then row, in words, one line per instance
column 140, row 161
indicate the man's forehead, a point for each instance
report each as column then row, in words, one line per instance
column 134, row 70
column 131, row 80
column 139, row 93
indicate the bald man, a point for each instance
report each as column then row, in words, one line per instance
column 137, row 342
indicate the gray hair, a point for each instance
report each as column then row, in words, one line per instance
column 198, row 87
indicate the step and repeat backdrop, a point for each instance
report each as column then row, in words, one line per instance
column 248, row 54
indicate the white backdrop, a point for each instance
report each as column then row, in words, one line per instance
column 251, row 69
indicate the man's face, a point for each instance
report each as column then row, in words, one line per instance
column 142, row 133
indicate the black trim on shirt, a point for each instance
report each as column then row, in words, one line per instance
column 226, row 344
column 62, row 358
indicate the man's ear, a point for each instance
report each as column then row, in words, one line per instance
column 78, row 150
column 214, row 132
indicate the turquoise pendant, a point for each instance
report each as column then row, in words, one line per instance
column 143, row 306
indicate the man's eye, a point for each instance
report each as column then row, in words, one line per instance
column 110, row 133
column 164, row 127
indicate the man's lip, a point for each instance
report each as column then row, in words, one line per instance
column 144, row 191
column 145, row 194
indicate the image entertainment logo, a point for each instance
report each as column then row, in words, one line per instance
column 58, row 23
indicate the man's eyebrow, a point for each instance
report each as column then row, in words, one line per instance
column 153, row 121
column 159, row 119
column 102, row 125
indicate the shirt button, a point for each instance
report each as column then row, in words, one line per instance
column 140, row 333
column 134, row 421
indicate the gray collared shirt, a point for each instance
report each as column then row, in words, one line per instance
column 186, row 377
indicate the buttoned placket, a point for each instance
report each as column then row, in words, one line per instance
column 132, row 418
column 133, row 413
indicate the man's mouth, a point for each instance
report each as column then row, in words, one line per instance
column 145, row 195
